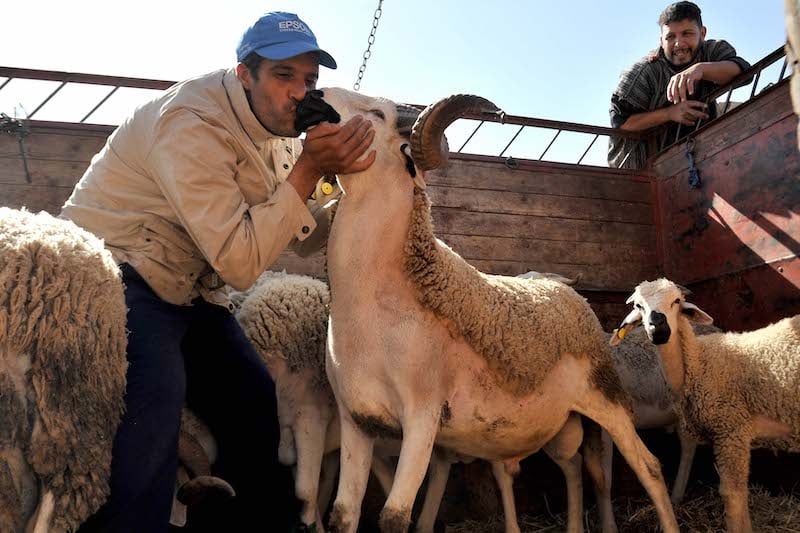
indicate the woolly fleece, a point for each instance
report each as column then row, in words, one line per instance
column 522, row 327
column 62, row 304
column 286, row 316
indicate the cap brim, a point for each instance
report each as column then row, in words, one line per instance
column 281, row 51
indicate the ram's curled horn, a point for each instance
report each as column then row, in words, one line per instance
column 406, row 117
column 427, row 148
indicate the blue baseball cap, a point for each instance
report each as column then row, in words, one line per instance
column 279, row 35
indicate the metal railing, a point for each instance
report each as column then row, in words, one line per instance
column 742, row 80
column 592, row 132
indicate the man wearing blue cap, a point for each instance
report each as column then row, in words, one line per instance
column 201, row 189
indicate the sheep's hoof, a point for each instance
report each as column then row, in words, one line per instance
column 394, row 521
column 302, row 528
column 204, row 488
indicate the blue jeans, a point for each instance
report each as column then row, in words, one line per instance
column 197, row 354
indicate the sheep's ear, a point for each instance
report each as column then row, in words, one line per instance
column 633, row 319
column 630, row 298
column 695, row 314
column 416, row 175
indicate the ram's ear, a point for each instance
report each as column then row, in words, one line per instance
column 633, row 319
column 695, row 314
column 416, row 174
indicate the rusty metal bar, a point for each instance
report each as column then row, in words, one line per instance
column 589, row 148
column 52, row 94
column 555, row 125
column 101, row 102
column 471, row 135
column 514, row 138
column 742, row 78
column 755, row 84
column 91, row 79
column 549, row 145
column 727, row 101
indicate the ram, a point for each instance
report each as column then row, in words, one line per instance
column 425, row 348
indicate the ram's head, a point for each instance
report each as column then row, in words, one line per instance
column 405, row 137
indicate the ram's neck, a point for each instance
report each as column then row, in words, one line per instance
column 368, row 234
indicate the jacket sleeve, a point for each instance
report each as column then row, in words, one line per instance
column 195, row 163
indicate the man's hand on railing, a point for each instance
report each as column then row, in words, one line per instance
column 688, row 112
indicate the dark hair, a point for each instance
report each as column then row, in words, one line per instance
column 680, row 11
column 252, row 61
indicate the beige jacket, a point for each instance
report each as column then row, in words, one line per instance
column 191, row 192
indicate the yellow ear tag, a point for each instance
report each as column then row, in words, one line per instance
column 327, row 188
column 620, row 332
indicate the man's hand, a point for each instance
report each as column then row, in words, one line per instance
column 682, row 85
column 687, row 112
column 332, row 149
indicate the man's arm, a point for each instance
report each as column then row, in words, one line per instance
column 685, row 112
column 682, row 85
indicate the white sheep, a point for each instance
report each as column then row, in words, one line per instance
column 422, row 345
column 62, row 371
column 734, row 390
column 286, row 318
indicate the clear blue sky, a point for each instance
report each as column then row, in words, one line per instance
column 556, row 60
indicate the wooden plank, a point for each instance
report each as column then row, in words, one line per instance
column 580, row 184
column 733, row 127
column 623, row 277
column 459, row 222
column 744, row 215
column 540, row 205
column 751, row 299
column 80, row 147
column 514, row 249
column 43, row 172
column 35, row 198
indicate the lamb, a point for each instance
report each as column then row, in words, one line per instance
column 286, row 318
column 62, row 371
column 734, row 390
column 423, row 347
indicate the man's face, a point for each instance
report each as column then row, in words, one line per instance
column 278, row 89
column 680, row 40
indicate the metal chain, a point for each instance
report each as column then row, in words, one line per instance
column 370, row 42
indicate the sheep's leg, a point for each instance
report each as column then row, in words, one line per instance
column 384, row 472
column 309, row 439
column 355, row 457
column 598, row 452
column 688, row 447
column 505, row 482
column 330, row 467
column 438, row 473
column 732, row 457
column 415, row 455
column 43, row 516
column 615, row 419
column 563, row 449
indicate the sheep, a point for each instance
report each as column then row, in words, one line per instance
column 62, row 371
column 637, row 364
column 734, row 390
column 286, row 319
column 424, row 347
